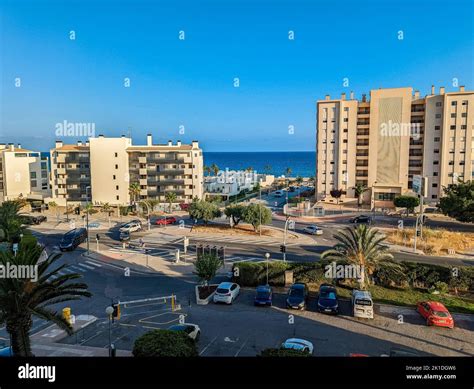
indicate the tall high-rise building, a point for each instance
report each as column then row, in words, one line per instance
column 102, row 170
column 383, row 141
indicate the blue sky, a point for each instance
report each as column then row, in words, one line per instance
column 190, row 82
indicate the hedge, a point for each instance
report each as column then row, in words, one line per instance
column 164, row 343
column 418, row 275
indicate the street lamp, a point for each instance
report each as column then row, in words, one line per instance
column 109, row 311
column 87, row 216
column 267, row 256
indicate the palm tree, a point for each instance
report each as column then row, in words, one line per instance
column 89, row 209
column 22, row 298
column 361, row 246
column 106, row 208
column 134, row 191
column 207, row 170
column 170, row 198
column 249, row 169
column 215, row 169
column 10, row 220
column 299, row 180
column 359, row 190
column 288, row 171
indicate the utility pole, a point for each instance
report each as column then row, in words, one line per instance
column 284, row 237
column 87, row 216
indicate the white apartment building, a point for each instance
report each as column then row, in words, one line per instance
column 23, row 174
column 102, row 170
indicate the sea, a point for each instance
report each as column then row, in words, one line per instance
column 301, row 163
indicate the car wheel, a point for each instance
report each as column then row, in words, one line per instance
column 428, row 323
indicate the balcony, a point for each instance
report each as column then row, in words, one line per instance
column 143, row 192
column 362, row 143
column 61, row 171
column 362, row 132
column 143, row 181
column 141, row 159
column 142, row 171
column 170, row 172
column 170, row 182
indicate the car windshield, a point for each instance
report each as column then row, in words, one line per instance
column 222, row 290
column 327, row 294
column 441, row 313
column 363, row 302
column 263, row 293
column 296, row 292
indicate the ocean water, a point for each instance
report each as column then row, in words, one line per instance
column 302, row 163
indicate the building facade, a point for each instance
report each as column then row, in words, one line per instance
column 382, row 142
column 23, row 174
column 102, row 170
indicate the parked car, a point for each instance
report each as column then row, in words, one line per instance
column 362, row 304
column 131, row 226
column 279, row 193
column 192, row 330
column 226, row 292
column 34, row 220
column 291, row 189
column 263, row 295
column 313, row 230
column 124, row 236
column 297, row 296
column 72, row 239
column 327, row 299
column 298, row 344
column 6, row 352
column 164, row 220
column 362, row 219
column 435, row 313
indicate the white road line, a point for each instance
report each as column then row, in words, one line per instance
column 69, row 271
column 86, row 266
column 240, row 349
column 205, row 348
column 78, row 268
column 94, row 263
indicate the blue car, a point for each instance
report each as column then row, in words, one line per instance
column 263, row 295
column 6, row 352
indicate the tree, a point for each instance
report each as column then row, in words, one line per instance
column 134, row 191
column 89, row 209
column 106, row 208
column 164, row 343
column 215, row 169
column 288, row 171
column 361, row 246
column 278, row 352
column 299, row 180
column 53, row 206
column 359, row 190
column 203, row 210
column 170, row 198
column 206, row 267
column 207, row 170
column 408, row 202
column 234, row 211
column 11, row 220
column 22, row 298
column 458, row 201
column 256, row 215
column 336, row 193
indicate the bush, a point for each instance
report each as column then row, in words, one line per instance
column 441, row 287
column 164, row 343
column 28, row 240
column 277, row 352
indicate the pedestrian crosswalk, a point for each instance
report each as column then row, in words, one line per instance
column 80, row 267
column 227, row 240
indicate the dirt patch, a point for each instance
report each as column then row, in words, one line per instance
column 434, row 242
column 246, row 230
column 206, row 291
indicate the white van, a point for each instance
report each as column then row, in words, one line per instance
column 362, row 304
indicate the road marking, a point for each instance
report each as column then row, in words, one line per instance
column 86, row 266
column 94, row 263
column 240, row 349
column 68, row 270
column 78, row 268
column 205, row 348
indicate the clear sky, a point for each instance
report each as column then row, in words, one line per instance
column 191, row 82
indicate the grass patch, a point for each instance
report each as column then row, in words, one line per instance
column 435, row 241
column 410, row 297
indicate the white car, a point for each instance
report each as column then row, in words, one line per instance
column 192, row 330
column 298, row 344
column 131, row 227
column 313, row 230
column 226, row 292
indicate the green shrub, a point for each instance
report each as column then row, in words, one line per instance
column 277, row 352
column 28, row 240
column 164, row 343
column 255, row 273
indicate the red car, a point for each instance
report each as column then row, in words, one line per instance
column 435, row 314
column 165, row 220
column 184, row 206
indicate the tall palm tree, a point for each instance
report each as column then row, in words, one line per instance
column 361, row 246
column 288, row 171
column 215, row 169
column 359, row 190
column 170, row 198
column 23, row 298
column 88, row 209
column 106, row 208
column 134, row 191
column 10, row 220
column 207, row 170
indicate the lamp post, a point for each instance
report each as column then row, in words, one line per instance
column 284, row 237
column 267, row 256
column 87, row 216
column 260, row 205
column 109, row 311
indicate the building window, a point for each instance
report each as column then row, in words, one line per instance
column 436, row 139
column 438, row 116
column 33, row 184
column 453, row 115
column 117, row 197
column 435, row 174
column 435, row 162
column 434, row 185
column 454, row 103
column 114, row 177
column 116, row 166
column 437, row 127
column 32, row 174
column 436, row 151
column 346, row 109
column 116, row 155
column 116, row 187
column 464, row 102
column 452, row 127
column 346, row 119
column 464, row 114
column 434, row 196
column 439, row 104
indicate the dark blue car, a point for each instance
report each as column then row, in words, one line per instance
column 263, row 295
